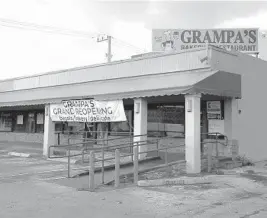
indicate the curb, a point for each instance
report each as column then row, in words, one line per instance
column 63, row 160
column 174, row 181
column 111, row 167
column 16, row 154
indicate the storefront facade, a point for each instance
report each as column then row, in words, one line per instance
column 165, row 92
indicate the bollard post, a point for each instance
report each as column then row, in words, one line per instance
column 132, row 152
column 69, row 163
column 217, row 151
column 117, row 168
column 157, row 147
column 166, row 156
column 83, row 156
column 135, row 149
column 103, row 165
column 92, row 172
column 58, row 138
column 210, row 148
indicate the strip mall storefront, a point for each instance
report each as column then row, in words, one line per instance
column 27, row 124
column 204, row 85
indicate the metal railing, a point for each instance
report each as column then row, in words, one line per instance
column 135, row 160
column 86, row 135
column 215, row 139
column 82, row 149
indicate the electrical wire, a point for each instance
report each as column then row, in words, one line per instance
column 63, row 31
column 48, row 29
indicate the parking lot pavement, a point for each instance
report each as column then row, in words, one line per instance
column 20, row 168
column 28, row 190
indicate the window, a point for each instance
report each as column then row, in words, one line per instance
column 122, row 127
column 20, row 122
column 30, row 123
column 6, row 122
column 39, row 122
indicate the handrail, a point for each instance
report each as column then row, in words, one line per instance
column 99, row 149
column 78, row 144
column 86, row 131
column 96, row 140
column 216, row 134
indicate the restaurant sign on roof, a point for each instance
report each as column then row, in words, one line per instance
column 243, row 40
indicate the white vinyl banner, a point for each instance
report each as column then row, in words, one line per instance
column 88, row 111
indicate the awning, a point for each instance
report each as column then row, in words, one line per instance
column 204, row 81
column 217, row 83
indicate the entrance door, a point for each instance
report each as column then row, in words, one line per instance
column 30, row 125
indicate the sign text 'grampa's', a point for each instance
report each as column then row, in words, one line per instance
column 230, row 39
column 88, row 111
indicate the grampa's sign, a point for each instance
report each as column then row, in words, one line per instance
column 243, row 40
column 88, row 111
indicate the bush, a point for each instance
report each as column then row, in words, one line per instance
column 245, row 161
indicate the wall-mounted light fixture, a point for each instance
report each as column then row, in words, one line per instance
column 189, row 105
column 137, row 108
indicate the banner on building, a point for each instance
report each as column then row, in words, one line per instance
column 88, row 111
column 243, row 40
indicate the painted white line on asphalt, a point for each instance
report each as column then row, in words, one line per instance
column 16, row 154
column 55, row 178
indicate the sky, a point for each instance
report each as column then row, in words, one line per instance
column 63, row 32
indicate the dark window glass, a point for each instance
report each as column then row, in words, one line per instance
column 20, row 122
column 122, row 127
column 40, row 122
column 6, row 122
column 30, row 123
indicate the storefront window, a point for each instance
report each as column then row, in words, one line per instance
column 122, row 127
column 165, row 120
column 6, row 122
column 30, row 123
column 40, row 122
column 20, row 122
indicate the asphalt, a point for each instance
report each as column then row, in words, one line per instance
column 14, row 168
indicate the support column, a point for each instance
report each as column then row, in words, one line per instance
column 192, row 133
column 140, row 124
column 49, row 131
column 231, row 118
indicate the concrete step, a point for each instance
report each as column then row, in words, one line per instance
column 228, row 164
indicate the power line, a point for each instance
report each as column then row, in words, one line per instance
column 43, row 28
column 119, row 41
column 56, row 30
column 63, row 31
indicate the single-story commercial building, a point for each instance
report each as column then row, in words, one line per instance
column 200, row 90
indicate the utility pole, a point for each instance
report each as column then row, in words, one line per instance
column 103, row 127
column 102, row 38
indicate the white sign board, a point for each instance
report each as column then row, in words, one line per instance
column 214, row 110
column 216, row 126
column 243, row 40
column 40, row 118
column 20, row 119
column 88, row 111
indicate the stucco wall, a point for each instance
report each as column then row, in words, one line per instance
column 252, row 121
